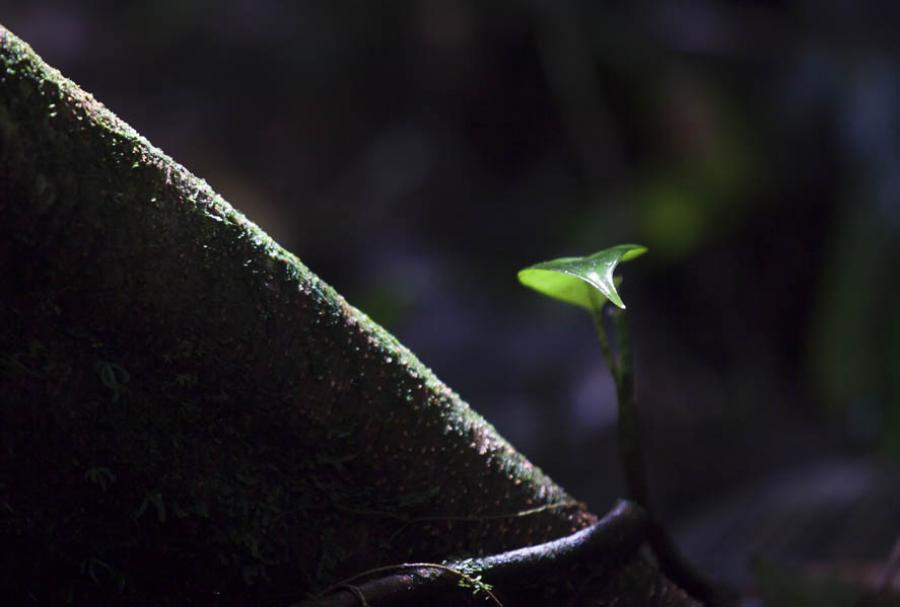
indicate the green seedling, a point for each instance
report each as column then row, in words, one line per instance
column 583, row 281
column 589, row 283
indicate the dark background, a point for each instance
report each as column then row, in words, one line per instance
column 417, row 154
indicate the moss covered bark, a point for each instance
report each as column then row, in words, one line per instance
column 188, row 414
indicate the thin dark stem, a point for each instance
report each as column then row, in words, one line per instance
column 629, row 431
column 600, row 327
column 671, row 561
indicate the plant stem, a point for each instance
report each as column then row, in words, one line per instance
column 629, row 432
column 622, row 373
column 671, row 562
column 597, row 315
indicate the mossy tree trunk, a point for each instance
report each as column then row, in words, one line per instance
column 190, row 416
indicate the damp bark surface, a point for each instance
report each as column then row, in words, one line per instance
column 188, row 415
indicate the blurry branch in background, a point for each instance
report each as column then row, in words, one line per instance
column 885, row 581
column 566, row 57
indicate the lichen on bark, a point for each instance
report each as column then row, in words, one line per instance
column 189, row 415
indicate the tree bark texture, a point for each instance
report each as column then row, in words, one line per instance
column 188, row 414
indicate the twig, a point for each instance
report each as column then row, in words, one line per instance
column 885, row 580
column 474, row 582
column 891, row 569
column 357, row 593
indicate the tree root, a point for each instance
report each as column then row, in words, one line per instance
column 616, row 537
column 679, row 570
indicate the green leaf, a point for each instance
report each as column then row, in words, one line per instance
column 583, row 281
